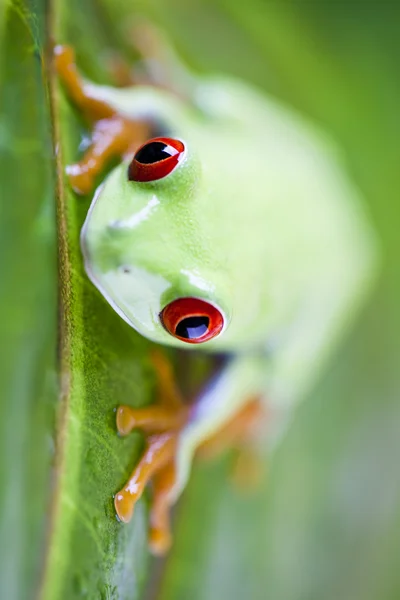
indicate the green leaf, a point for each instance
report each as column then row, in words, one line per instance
column 28, row 283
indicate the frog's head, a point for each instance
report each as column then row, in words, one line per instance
column 148, row 247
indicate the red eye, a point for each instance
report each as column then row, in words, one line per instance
column 155, row 159
column 192, row 320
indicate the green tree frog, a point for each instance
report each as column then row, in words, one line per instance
column 229, row 226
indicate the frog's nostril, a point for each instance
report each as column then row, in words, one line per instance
column 192, row 320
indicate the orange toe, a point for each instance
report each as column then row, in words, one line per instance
column 125, row 420
column 124, row 504
column 80, row 178
column 159, row 541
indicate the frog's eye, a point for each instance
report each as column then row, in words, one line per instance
column 155, row 159
column 192, row 320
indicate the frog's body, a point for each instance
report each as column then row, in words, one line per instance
column 258, row 219
column 262, row 221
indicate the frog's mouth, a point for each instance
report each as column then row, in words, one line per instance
column 192, row 320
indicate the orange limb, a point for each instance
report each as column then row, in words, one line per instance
column 92, row 108
column 151, row 419
column 160, row 449
column 114, row 135
column 168, row 391
column 235, row 432
column 157, row 65
column 144, row 40
column 111, row 137
column 163, row 422
column 160, row 529
column 121, row 71
column 238, row 433
column 248, row 469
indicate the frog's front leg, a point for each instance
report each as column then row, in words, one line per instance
column 158, row 66
column 177, row 430
column 114, row 135
column 163, row 422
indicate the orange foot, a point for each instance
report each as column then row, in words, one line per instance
column 163, row 423
column 114, row 135
column 239, row 433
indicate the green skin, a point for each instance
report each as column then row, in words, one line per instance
column 259, row 218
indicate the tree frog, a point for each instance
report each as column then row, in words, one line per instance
column 229, row 226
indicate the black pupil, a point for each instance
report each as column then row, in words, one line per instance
column 154, row 152
column 192, row 328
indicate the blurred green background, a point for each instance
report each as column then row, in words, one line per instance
column 326, row 524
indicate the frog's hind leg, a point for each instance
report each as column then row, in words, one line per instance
column 113, row 135
column 156, row 65
column 239, row 434
column 236, row 432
